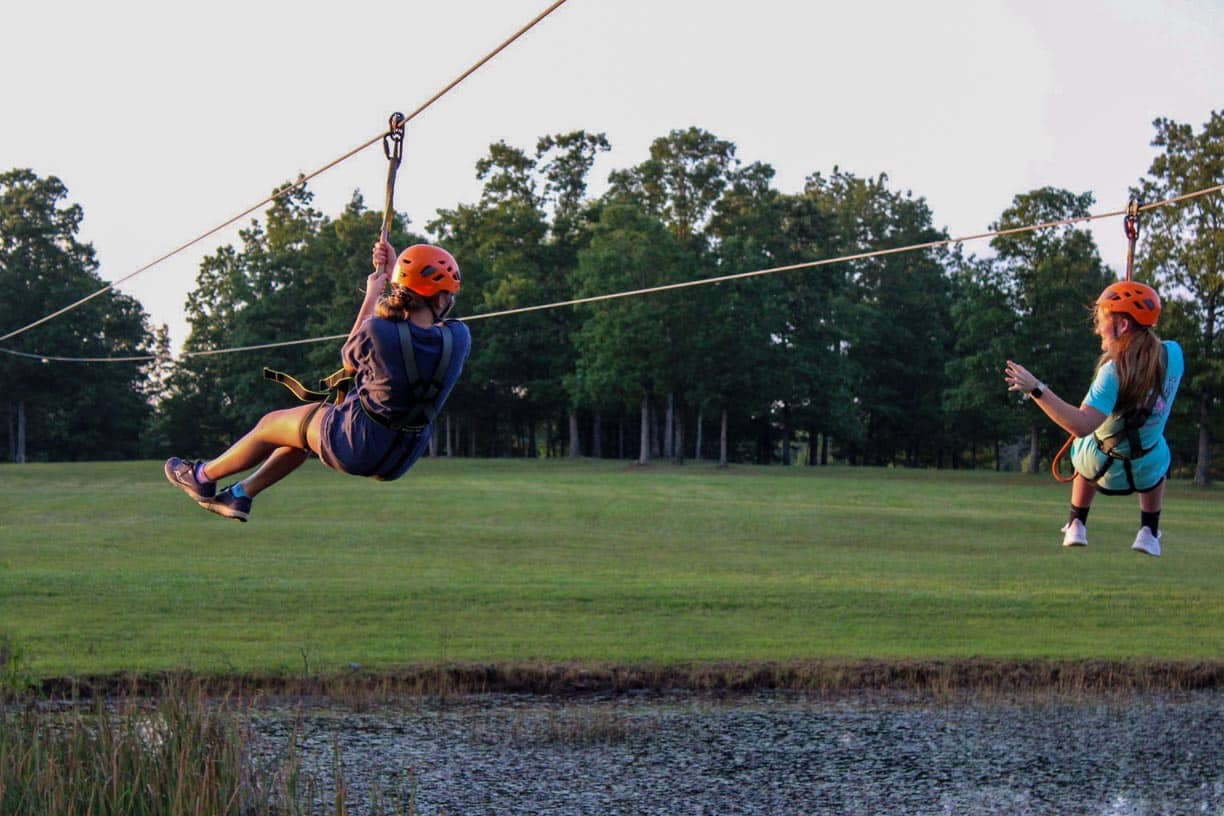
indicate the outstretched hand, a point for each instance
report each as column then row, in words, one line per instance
column 1018, row 378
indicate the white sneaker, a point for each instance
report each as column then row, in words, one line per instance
column 1075, row 534
column 1145, row 542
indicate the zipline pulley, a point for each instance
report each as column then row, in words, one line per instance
column 393, row 149
column 1131, row 225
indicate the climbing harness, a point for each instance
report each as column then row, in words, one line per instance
column 423, row 392
column 1119, row 428
column 1109, row 436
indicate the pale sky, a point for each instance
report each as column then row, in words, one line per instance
column 164, row 119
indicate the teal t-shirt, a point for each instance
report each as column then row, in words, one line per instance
column 1102, row 395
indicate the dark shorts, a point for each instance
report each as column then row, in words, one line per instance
column 351, row 442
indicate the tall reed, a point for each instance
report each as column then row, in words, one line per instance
column 181, row 754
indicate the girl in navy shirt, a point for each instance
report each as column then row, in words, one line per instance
column 404, row 357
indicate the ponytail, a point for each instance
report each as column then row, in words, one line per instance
column 1140, row 366
column 398, row 304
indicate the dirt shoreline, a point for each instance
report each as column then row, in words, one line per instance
column 990, row 677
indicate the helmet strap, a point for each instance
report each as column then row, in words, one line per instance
column 439, row 316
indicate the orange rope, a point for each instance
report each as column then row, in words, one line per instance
column 1058, row 456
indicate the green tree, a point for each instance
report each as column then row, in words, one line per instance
column 64, row 410
column 681, row 182
column 519, row 256
column 1052, row 277
column 896, row 324
column 984, row 320
column 1183, row 250
column 625, row 345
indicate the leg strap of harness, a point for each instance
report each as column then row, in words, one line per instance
column 305, row 424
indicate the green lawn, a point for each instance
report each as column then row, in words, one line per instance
column 106, row 568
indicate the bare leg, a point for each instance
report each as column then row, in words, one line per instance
column 280, row 464
column 1083, row 491
column 1153, row 500
column 274, row 444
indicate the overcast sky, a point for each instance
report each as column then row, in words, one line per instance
column 165, row 119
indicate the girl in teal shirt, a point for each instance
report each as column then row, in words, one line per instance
column 1136, row 379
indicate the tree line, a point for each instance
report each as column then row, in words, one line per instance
column 889, row 360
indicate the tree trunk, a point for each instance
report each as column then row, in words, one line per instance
column 433, row 444
column 575, row 442
column 655, row 447
column 620, row 435
column 1034, row 449
column 450, row 450
column 1202, row 469
column 597, row 436
column 824, row 450
column 697, row 445
column 678, row 430
column 19, row 452
column 669, row 426
column 644, row 447
column 786, row 434
column 722, row 441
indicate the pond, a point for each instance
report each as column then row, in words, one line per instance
column 769, row 754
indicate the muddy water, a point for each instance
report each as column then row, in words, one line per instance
column 769, row 755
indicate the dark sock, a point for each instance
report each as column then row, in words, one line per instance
column 1150, row 520
column 199, row 472
column 1080, row 513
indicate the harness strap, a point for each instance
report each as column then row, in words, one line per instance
column 295, row 386
column 1125, row 427
column 424, row 394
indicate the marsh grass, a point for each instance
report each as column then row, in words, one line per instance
column 183, row 753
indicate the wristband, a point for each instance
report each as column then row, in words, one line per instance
column 1038, row 390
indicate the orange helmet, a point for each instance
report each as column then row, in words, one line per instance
column 1137, row 300
column 426, row 270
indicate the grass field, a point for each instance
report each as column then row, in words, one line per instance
column 105, row 568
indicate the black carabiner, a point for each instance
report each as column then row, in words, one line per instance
column 393, row 141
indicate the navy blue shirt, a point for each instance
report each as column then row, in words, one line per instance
column 352, row 442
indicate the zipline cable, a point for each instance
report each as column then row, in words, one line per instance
column 301, row 180
column 672, row 286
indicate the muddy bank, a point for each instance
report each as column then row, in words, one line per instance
column 980, row 678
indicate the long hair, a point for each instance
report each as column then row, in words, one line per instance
column 1139, row 363
column 398, row 303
